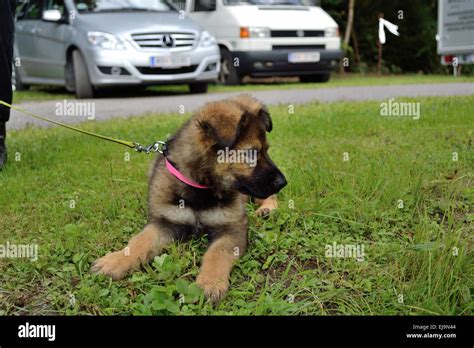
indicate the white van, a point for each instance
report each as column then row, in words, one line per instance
column 269, row 37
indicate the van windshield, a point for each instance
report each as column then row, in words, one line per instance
column 93, row 6
column 273, row 2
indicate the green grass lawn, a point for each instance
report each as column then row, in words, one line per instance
column 78, row 198
column 52, row 93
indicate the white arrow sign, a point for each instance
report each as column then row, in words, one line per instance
column 391, row 28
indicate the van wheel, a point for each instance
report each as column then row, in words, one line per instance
column 82, row 82
column 315, row 78
column 198, row 87
column 17, row 84
column 228, row 74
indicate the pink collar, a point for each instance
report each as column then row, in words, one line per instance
column 181, row 177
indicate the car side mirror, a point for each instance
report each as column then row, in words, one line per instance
column 52, row 15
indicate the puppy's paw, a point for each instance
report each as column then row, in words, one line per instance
column 214, row 287
column 115, row 265
column 266, row 206
column 264, row 212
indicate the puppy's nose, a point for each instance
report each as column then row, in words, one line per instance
column 280, row 182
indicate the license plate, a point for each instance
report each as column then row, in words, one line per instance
column 304, row 57
column 167, row 62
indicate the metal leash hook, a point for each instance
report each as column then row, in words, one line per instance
column 157, row 146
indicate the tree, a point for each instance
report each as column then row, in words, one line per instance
column 350, row 20
column 347, row 35
column 413, row 51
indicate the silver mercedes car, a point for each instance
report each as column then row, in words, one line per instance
column 86, row 45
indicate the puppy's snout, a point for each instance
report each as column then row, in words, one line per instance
column 280, row 182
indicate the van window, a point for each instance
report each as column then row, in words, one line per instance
column 204, row 5
column 181, row 4
column 34, row 10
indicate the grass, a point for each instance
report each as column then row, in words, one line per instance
column 53, row 93
column 78, row 198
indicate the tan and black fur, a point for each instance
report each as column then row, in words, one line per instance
column 177, row 211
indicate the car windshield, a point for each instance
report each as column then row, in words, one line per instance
column 273, row 2
column 93, row 6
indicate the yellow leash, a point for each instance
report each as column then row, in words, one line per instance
column 158, row 146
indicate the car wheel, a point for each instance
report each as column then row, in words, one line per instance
column 228, row 74
column 69, row 76
column 17, row 84
column 315, row 78
column 198, row 87
column 83, row 86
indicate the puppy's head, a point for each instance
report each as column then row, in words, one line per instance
column 232, row 134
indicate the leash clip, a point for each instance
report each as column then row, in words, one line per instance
column 157, row 146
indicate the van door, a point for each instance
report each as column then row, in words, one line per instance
column 50, row 41
column 25, row 38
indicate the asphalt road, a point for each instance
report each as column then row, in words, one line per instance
column 106, row 108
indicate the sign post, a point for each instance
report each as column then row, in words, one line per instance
column 381, row 37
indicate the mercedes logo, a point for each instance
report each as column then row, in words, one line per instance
column 167, row 41
column 300, row 33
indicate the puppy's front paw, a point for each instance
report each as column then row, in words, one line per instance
column 263, row 212
column 115, row 265
column 266, row 206
column 214, row 287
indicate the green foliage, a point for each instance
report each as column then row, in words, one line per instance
column 413, row 51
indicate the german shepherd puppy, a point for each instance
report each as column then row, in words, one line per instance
column 178, row 210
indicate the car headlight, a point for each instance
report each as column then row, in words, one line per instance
column 207, row 39
column 104, row 40
column 331, row 32
column 254, row 32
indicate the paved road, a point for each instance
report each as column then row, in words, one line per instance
column 107, row 108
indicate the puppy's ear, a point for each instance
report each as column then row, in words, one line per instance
column 264, row 115
column 224, row 129
column 255, row 107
